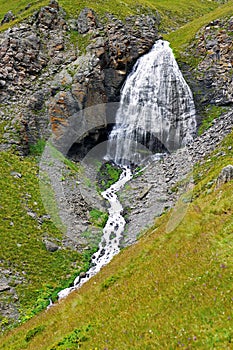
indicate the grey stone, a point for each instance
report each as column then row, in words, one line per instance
column 225, row 175
column 51, row 246
column 86, row 21
column 4, row 287
column 16, row 174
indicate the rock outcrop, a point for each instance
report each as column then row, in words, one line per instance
column 225, row 175
column 46, row 77
column 211, row 77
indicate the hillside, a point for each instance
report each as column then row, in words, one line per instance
column 170, row 289
column 173, row 13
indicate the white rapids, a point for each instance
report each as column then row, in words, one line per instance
column 112, row 234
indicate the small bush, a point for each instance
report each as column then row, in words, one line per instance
column 33, row 332
column 109, row 173
column 109, row 282
column 73, row 340
column 98, row 218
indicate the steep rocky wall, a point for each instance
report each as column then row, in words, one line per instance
column 215, row 69
column 45, row 78
column 211, row 73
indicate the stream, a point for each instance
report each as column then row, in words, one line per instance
column 112, row 234
column 157, row 111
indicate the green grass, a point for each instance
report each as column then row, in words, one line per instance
column 37, row 148
column 169, row 291
column 98, row 218
column 182, row 37
column 108, row 174
column 174, row 13
column 79, row 40
column 22, row 235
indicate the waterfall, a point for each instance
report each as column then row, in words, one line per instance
column 156, row 111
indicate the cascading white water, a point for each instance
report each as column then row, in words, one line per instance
column 156, row 113
column 156, row 109
column 112, row 234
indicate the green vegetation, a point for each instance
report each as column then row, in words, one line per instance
column 107, row 175
column 173, row 13
column 24, row 225
column 98, row 218
column 181, row 38
column 33, row 332
column 173, row 288
column 79, row 40
column 20, row 9
column 168, row 291
column 73, row 341
column 37, row 148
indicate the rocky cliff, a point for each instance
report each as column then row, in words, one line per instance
column 51, row 68
column 45, row 77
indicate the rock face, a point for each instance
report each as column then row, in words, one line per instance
column 9, row 16
column 97, row 76
column 214, row 50
column 29, row 54
column 44, row 77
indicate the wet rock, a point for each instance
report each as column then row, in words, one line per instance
column 82, row 275
column 16, row 174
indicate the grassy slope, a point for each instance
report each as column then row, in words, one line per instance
column 182, row 37
column 170, row 290
column 23, row 250
column 173, row 12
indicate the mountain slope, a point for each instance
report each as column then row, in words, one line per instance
column 25, row 224
column 170, row 290
column 173, row 13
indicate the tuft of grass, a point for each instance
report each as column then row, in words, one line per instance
column 33, row 332
column 80, row 41
column 98, row 218
column 37, row 148
column 74, row 340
